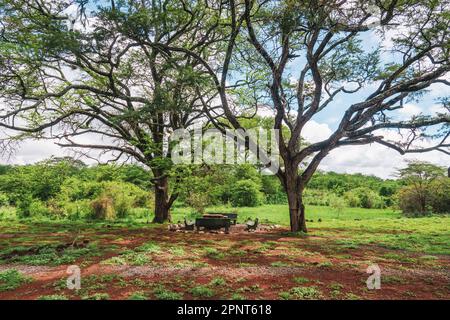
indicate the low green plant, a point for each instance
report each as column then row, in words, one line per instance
column 96, row 296
column 163, row 294
column 12, row 279
column 213, row 253
column 303, row 293
column 218, row 282
column 300, row 280
column 138, row 295
column 202, row 291
column 53, row 297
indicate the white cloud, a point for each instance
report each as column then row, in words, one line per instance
column 410, row 110
column 315, row 132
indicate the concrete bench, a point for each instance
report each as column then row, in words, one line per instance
column 212, row 223
column 232, row 216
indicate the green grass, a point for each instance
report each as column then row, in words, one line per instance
column 301, row 293
column 96, row 296
column 202, row 292
column 355, row 227
column 162, row 293
column 138, row 295
column 12, row 279
column 47, row 255
column 53, row 297
column 279, row 214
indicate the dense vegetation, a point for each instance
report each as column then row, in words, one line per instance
column 67, row 188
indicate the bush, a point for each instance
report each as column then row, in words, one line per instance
column 198, row 201
column 363, row 197
column 4, row 200
column 246, row 194
column 74, row 210
column 440, row 195
column 435, row 198
column 103, row 209
column 23, row 206
column 273, row 190
column 79, row 198
column 38, row 208
column 317, row 197
column 410, row 203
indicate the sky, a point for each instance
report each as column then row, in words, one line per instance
column 369, row 159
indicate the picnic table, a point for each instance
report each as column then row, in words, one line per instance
column 213, row 222
column 231, row 216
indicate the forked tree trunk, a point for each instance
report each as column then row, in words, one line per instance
column 162, row 203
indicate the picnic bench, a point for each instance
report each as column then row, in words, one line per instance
column 231, row 216
column 189, row 225
column 251, row 225
column 213, row 222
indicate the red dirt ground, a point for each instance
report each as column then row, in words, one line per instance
column 257, row 265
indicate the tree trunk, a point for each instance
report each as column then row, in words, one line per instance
column 162, row 204
column 295, row 200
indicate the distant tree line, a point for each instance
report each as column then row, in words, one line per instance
column 68, row 188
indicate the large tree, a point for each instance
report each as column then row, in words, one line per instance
column 103, row 78
column 295, row 57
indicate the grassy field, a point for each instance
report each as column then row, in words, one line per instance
column 132, row 259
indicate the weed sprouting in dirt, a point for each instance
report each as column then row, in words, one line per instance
column 12, row 279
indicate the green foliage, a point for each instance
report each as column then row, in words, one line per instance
column 426, row 190
column 202, row 291
column 138, row 295
column 48, row 254
column 163, row 294
column 12, row 279
column 96, row 296
column 363, row 197
column 53, row 297
column 415, row 200
column 246, row 193
column 440, row 195
column 103, row 209
column 308, row 293
column 273, row 190
column 4, row 199
column 218, row 282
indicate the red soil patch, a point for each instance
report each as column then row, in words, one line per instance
column 256, row 265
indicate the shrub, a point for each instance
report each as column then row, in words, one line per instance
column 273, row 190
column 23, row 206
column 440, row 195
column 202, row 291
column 246, row 194
column 434, row 198
column 38, row 208
column 409, row 203
column 96, row 296
column 198, row 201
column 317, row 197
column 12, row 279
column 4, row 200
column 338, row 204
column 53, row 297
column 163, row 294
column 363, row 197
column 103, row 209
